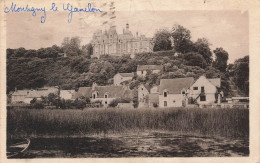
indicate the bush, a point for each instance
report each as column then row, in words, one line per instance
column 119, row 100
column 38, row 105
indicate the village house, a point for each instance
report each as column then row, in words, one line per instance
column 172, row 92
column 39, row 93
column 148, row 96
column 111, row 43
column 67, row 94
column 121, row 77
column 18, row 96
column 25, row 96
column 104, row 94
column 142, row 70
column 205, row 91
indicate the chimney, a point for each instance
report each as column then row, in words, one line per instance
column 127, row 27
column 94, row 85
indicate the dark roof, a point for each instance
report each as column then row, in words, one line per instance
column 175, row 86
column 126, row 74
column 83, row 91
column 112, row 91
column 149, row 67
column 20, row 93
column 42, row 92
column 147, row 86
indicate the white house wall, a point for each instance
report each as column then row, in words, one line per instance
column 173, row 100
column 209, row 90
column 142, row 93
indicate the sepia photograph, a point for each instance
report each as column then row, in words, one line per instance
column 107, row 79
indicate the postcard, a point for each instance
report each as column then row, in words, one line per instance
column 130, row 81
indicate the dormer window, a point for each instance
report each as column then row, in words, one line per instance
column 106, row 96
column 94, row 95
column 164, row 94
column 183, row 92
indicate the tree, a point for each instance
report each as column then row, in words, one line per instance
column 240, row 70
column 71, row 46
column 202, row 47
column 162, row 40
column 37, row 105
column 220, row 62
column 87, row 50
column 195, row 59
column 20, row 52
column 181, row 39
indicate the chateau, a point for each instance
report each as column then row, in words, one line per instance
column 111, row 43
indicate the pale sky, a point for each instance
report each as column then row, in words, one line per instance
column 227, row 29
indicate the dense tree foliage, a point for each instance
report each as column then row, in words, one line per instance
column 202, row 46
column 71, row 46
column 162, row 40
column 77, row 71
column 221, row 59
column 240, row 72
column 195, row 59
column 181, row 39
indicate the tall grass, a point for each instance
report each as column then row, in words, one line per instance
column 221, row 122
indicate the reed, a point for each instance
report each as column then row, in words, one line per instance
column 219, row 122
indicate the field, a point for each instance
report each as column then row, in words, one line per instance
column 136, row 132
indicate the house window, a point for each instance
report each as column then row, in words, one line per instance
column 165, row 94
column 165, row 103
column 183, row 92
column 105, row 102
column 202, row 89
column 195, row 88
column 105, row 96
column 202, row 98
column 142, row 72
column 94, row 96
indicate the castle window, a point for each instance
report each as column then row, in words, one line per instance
column 183, row 92
column 105, row 102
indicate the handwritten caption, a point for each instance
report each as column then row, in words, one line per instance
column 54, row 8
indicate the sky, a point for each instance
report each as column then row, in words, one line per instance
column 223, row 28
